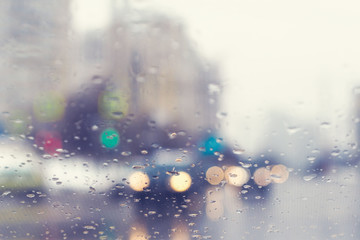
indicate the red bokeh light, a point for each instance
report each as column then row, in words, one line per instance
column 50, row 141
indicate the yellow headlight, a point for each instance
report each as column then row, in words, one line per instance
column 138, row 232
column 279, row 173
column 214, row 175
column 138, row 181
column 262, row 176
column 180, row 182
column 237, row 176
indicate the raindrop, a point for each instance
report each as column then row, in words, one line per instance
column 311, row 158
column 173, row 172
column 30, row 195
column 152, row 123
column 172, row 135
column 6, row 193
column 238, row 151
column 56, row 204
column 335, row 152
column 221, row 115
column 117, row 114
column 92, row 189
column 126, row 154
column 309, row 177
column 325, row 125
column 138, row 167
column 213, row 88
column 245, row 165
column 89, row 227
column 292, row 130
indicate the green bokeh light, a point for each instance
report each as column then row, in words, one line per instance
column 19, row 122
column 110, row 138
column 49, row 107
column 113, row 105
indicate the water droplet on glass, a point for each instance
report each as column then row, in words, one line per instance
column 335, row 152
column 309, row 177
column 89, row 227
column 292, row 130
column 238, row 151
column 117, row 114
column 6, row 193
column 30, row 195
column 126, row 154
column 325, row 125
column 193, row 215
column 138, row 167
column 245, row 165
column 172, row 135
column 311, row 158
column 221, row 115
column 213, row 88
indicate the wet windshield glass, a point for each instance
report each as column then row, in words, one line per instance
column 128, row 119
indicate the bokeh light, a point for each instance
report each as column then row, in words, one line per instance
column 279, row 173
column 262, row 176
column 138, row 232
column 237, row 176
column 110, row 138
column 18, row 122
column 49, row 141
column 215, row 175
column 113, row 105
column 180, row 232
column 49, row 107
column 180, row 182
column 138, row 181
column 211, row 145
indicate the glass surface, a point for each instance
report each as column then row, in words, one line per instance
column 135, row 119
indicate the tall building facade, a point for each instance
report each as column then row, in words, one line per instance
column 154, row 63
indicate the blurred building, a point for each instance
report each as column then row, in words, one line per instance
column 145, row 59
column 150, row 60
column 166, row 79
column 34, row 48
